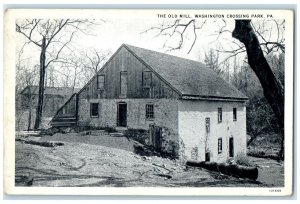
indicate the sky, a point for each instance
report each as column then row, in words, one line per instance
column 129, row 27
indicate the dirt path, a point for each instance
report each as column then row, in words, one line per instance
column 104, row 139
column 79, row 164
column 270, row 171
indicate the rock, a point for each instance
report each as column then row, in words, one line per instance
column 68, row 130
column 51, row 131
column 85, row 133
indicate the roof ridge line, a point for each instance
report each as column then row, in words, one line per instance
column 164, row 54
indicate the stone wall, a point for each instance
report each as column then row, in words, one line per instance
column 165, row 113
column 192, row 129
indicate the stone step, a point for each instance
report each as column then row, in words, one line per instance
column 116, row 134
column 62, row 124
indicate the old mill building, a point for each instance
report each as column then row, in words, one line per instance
column 188, row 109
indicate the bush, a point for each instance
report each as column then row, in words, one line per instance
column 139, row 135
column 243, row 160
column 256, row 153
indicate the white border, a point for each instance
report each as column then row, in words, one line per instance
column 9, row 112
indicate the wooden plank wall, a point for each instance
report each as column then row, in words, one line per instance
column 125, row 61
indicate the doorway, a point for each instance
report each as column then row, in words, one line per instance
column 155, row 136
column 122, row 115
column 231, row 149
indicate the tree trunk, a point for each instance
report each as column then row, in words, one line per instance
column 30, row 111
column 273, row 90
column 39, row 110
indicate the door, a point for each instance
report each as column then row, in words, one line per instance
column 231, row 150
column 155, row 136
column 122, row 115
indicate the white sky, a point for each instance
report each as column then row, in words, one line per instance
column 128, row 29
column 127, row 26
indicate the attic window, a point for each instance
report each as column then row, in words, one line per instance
column 123, row 84
column 234, row 114
column 219, row 115
column 147, row 79
column 100, row 82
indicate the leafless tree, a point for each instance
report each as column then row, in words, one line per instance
column 93, row 60
column 26, row 77
column 51, row 37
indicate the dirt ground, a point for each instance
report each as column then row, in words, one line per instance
column 95, row 161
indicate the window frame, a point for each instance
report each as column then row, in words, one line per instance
column 151, row 117
column 220, row 117
column 101, row 88
column 91, row 110
column 126, row 74
column 207, row 124
column 220, row 145
column 234, row 112
column 143, row 79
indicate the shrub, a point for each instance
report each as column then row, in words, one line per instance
column 256, row 153
column 139, row 135
column 243, row 160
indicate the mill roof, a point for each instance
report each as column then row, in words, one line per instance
column 190, row 78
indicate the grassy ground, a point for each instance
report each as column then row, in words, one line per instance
column 93, row 161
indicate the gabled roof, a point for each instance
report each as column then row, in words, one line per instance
column 57, row 91
column 189, row 78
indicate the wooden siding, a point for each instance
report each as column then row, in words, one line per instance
column 124, row 61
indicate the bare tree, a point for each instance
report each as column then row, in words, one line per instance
column 51, row 37
column 26, row 77
column 93, row 60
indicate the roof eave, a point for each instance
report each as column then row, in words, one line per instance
column 213, row 98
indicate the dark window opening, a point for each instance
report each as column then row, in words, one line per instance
column 207, row 156
column 100, row 82
column 147, row 79
column 94, row 110
column 207, row 124
column 234, row 114
column 219, row 145
column 149, row 111
column 231, row 147
column 219, row 115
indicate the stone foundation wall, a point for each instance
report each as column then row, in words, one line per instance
column 165, row 113
column 165, row 116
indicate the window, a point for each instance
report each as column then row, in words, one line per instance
column 234, row 114
column 100, row 82
column 219, row 145
column 219, row 115
column 207, row 124
column 147, row 79
column 149, row 111
column 123, row 83
column 94, row 110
